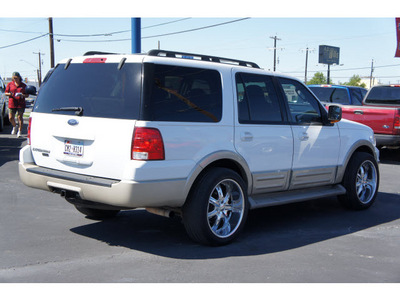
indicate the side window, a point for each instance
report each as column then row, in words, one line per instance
column 182, row 94
column 340, row 96
column 257, row 100
column 2, row 86
column 356, row 96
column 363, row 93
column 304, row 108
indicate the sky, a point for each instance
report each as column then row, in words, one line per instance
column 363, row 35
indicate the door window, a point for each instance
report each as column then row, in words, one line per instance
column 257, row 99
column 304, row 108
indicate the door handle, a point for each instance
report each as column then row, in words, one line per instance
column 358, row 112
column 303, row 136
column 246, row 136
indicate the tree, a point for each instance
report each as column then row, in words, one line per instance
column 355, row 80
column 318, row 78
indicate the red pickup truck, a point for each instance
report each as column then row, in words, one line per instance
column 380, row 111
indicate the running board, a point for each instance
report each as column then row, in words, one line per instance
column 272, row 199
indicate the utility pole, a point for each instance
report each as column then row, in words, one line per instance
column 372, row 70
column 51, row 42
column 39, row 71
column 306, row 50
column 275, row 38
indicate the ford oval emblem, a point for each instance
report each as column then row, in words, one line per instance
column 73, row 122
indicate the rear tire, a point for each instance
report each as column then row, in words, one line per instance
column 217, row 207
column 361, row 181
column 96, row 214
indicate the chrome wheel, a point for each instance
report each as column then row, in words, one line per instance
column 226, row 208
column 366, row 181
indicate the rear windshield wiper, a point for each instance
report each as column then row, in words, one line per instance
column 78, row 110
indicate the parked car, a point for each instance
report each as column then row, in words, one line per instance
column 3, row 105
column 31, row 90
column 381, row 112
column 342, row 94
column 204, row 138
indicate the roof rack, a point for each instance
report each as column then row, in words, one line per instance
column 203, row 57
column 97, row 52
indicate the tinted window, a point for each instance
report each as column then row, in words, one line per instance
column 182, row 94
column 99, row 88
column 356, row 96
column 388, row 95
column 2, row 86
column 323, row 93
column 341, row 96
column 304, row 108
column 257, row 99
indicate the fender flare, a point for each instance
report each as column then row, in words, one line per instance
column 223, row 155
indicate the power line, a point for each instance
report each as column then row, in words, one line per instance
column 194, row 29
column 38, row 37
column 159, row 35
column 156, row 25
column 351, row 69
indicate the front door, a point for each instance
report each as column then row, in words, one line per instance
column 316, row 145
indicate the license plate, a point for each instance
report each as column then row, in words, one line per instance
column 73, row 148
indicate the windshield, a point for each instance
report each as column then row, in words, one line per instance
column 384, row 95
column 92, row 90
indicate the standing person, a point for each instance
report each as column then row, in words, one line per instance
column 15, row 90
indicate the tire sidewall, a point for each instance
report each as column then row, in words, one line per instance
column 196, row 207
column 351, row 200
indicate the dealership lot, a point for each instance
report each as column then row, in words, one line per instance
column 44, row 239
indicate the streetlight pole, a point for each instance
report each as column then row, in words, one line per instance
column 39, row 72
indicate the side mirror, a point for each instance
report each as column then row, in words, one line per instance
column 31, row 90
column 334, row 114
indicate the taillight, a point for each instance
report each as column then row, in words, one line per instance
column 147, row 144
column 29, row 130
column 396, row 124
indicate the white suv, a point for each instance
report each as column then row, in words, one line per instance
column 202, row 137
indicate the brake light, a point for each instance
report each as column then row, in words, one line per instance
column 94, row 60
column 396, row 124
column 29, row 130
column 147, row 144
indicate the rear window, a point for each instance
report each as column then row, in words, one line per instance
column 384, row 95
column 100, row 89
column 181, row 94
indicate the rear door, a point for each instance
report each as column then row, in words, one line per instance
column 84, row 117
column 262, row 133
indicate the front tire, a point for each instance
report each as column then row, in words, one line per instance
column 361, row 181
column 217, row 207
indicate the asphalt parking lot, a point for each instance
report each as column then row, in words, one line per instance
column 44, row 239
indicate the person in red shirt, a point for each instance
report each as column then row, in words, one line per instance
column 15, row 90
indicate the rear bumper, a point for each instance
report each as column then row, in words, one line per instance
column 117, row 193
column 387, row 140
